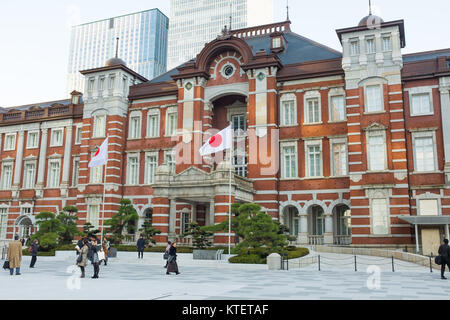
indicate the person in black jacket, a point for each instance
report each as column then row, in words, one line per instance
column 93, row 255
column 172, row 265
column 141, row 246
column 444, row 252
column 34, row 251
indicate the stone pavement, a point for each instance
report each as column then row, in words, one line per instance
column 131, row 279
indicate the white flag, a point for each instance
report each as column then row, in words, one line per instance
column 101, row 155
column 218, row 142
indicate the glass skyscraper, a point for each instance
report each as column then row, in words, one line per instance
column 143, row 40
column 196, row 22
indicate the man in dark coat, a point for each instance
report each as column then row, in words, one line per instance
column 141, row 246
column 444, row 252
column 34, row 252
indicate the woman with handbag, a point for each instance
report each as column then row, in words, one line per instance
column 172, row 265
column 82, row 257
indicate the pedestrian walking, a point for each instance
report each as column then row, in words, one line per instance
column 166, row 253
column 34, row 251
column 82, row 257
column 22, row 241
column 444, row 253
column 172, row 265
column 93, row 254
column 106, row 247
column 15, row 255
column 141, row 246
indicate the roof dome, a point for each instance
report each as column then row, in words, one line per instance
column 115, row 62
column 370, row 20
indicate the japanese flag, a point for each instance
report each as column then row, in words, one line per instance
column 218, row 142
column 101, row 155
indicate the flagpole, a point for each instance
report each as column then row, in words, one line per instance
column 229, row 196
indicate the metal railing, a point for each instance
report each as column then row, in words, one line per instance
column 315, row 240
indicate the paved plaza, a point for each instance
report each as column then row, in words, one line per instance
column 128, row 278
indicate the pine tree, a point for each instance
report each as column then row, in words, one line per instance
column 148, row 232
column 125, row 219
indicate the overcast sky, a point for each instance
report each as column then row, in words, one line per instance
column 34, row 35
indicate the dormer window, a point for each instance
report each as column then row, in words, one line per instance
column 276, row 42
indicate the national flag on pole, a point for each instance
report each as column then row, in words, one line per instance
column 101, row 155
column 218, row 142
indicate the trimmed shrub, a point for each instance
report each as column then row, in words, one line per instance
column 51, row 253
column 249, row 258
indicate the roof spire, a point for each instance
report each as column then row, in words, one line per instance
column 117, row 47
column 287, row 10
column 231, row 12
column 370, row 7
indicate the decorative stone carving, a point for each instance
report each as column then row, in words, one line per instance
column 400, row 175
column 356, row 177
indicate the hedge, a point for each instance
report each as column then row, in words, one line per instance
column 255, row 256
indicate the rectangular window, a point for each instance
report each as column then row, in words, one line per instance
column 93, row 214
column 421, row 104
column 185, row 222
column 313, row 112
column 53, row 174
column 152, row 165
column 3, row 222
column 289, row 162
column 380, row 217
column 170, row 161
column 424, row 153
column 153, row 126
column 354, row 47
column 99, row 126
column 288, row 113
column 374, row 99
column 78, row 135
column 370, row 44
column 7, row 176
column 10, row 142
column 337, row 108
column 314, row 161
column 240, row 165
column 57, row 138
column 91, row 85
column 387, row 43
column 340, row 159
column 171, row 124
column 133, row 170
column 377, row 152
column 32, row 139
column 428, row 207
column 29, row 175
column 76, row 171
column 101, row 85
column 112, row 80
column 135, row 127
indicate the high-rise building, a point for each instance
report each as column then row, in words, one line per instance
column 196, row 22
column 142, row 45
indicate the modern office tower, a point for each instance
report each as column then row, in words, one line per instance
column 142, row 37
column 196, row 22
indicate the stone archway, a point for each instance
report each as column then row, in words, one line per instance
column 291, row 218
column 342, row 228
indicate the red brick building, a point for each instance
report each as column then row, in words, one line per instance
column 344, row 148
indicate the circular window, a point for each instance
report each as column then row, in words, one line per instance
column 228, row 70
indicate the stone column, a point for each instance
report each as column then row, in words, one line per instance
column 66, row 163
column 303, row 235
column 379, row 57
column 18, row 167
column 328, row 236
column 210, row 217
column 172, row 218
column 445, row 111
column 42, row 161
